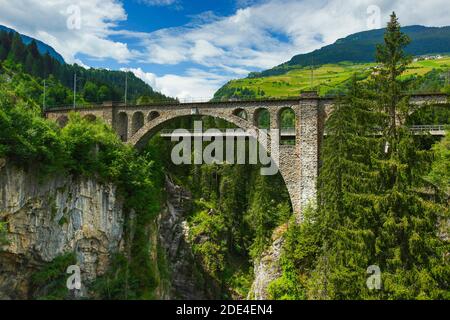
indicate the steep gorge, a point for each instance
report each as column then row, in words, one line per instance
column 62, row 215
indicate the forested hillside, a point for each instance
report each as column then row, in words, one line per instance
column 93, row 85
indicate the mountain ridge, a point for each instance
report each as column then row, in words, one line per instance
column 360, row 47
column 94, row 85
column 334, row 64
column 42, row 46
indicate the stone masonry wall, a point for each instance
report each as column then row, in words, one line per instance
column 298, row 164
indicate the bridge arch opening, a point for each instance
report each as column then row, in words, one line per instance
column 153, row 115
column 137, row 122
column 241, row 113
column 140, row 140
column 287, row 122
column 122, row 126
column 238, row 195
column 62, row 121
column 261, row 118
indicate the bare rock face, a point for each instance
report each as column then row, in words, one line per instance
column 187, row 282
column 48, row 217
column 267, row 268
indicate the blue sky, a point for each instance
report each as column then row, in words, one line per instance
column 148, row 16
column 189, row 49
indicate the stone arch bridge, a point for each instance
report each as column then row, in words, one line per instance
column 298, row 163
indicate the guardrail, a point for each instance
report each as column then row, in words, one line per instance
column 428, row 128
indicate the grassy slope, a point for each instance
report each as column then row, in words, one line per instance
column 326, row 77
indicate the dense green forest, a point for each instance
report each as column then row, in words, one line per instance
column 382, row 199
column 93, row 85
column 42, row 47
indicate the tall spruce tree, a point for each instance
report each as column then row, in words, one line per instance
column 345, row 208
column 409, row 250
column 326, row 257
column 18, row 49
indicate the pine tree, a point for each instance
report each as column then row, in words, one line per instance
column 371, row 210
column 48, row 65
column 18, row 49
column 345, row 208
column 440, row 169
column 409, row 250
column 3, row 52
column 33, row 49
column 29, row 63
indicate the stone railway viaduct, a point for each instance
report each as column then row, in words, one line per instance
column 298, row 163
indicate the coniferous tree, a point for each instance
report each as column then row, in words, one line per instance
column 409, row 250
column 345, row 207
column 29, row 62
column 3, row 52
column 18, row 49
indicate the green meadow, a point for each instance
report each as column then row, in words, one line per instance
column 326, row 79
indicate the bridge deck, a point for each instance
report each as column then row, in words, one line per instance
column 186, row 103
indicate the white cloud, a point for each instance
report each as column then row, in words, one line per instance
column 263, row 35
column 203, row 50
column 195, row 84
column 70, row 27
column 260, row 36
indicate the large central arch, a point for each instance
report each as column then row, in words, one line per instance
column 151, row 127
column 289, row 176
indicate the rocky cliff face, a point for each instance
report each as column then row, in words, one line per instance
column 47, row 218
column 187, row 280
column 267, row 268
